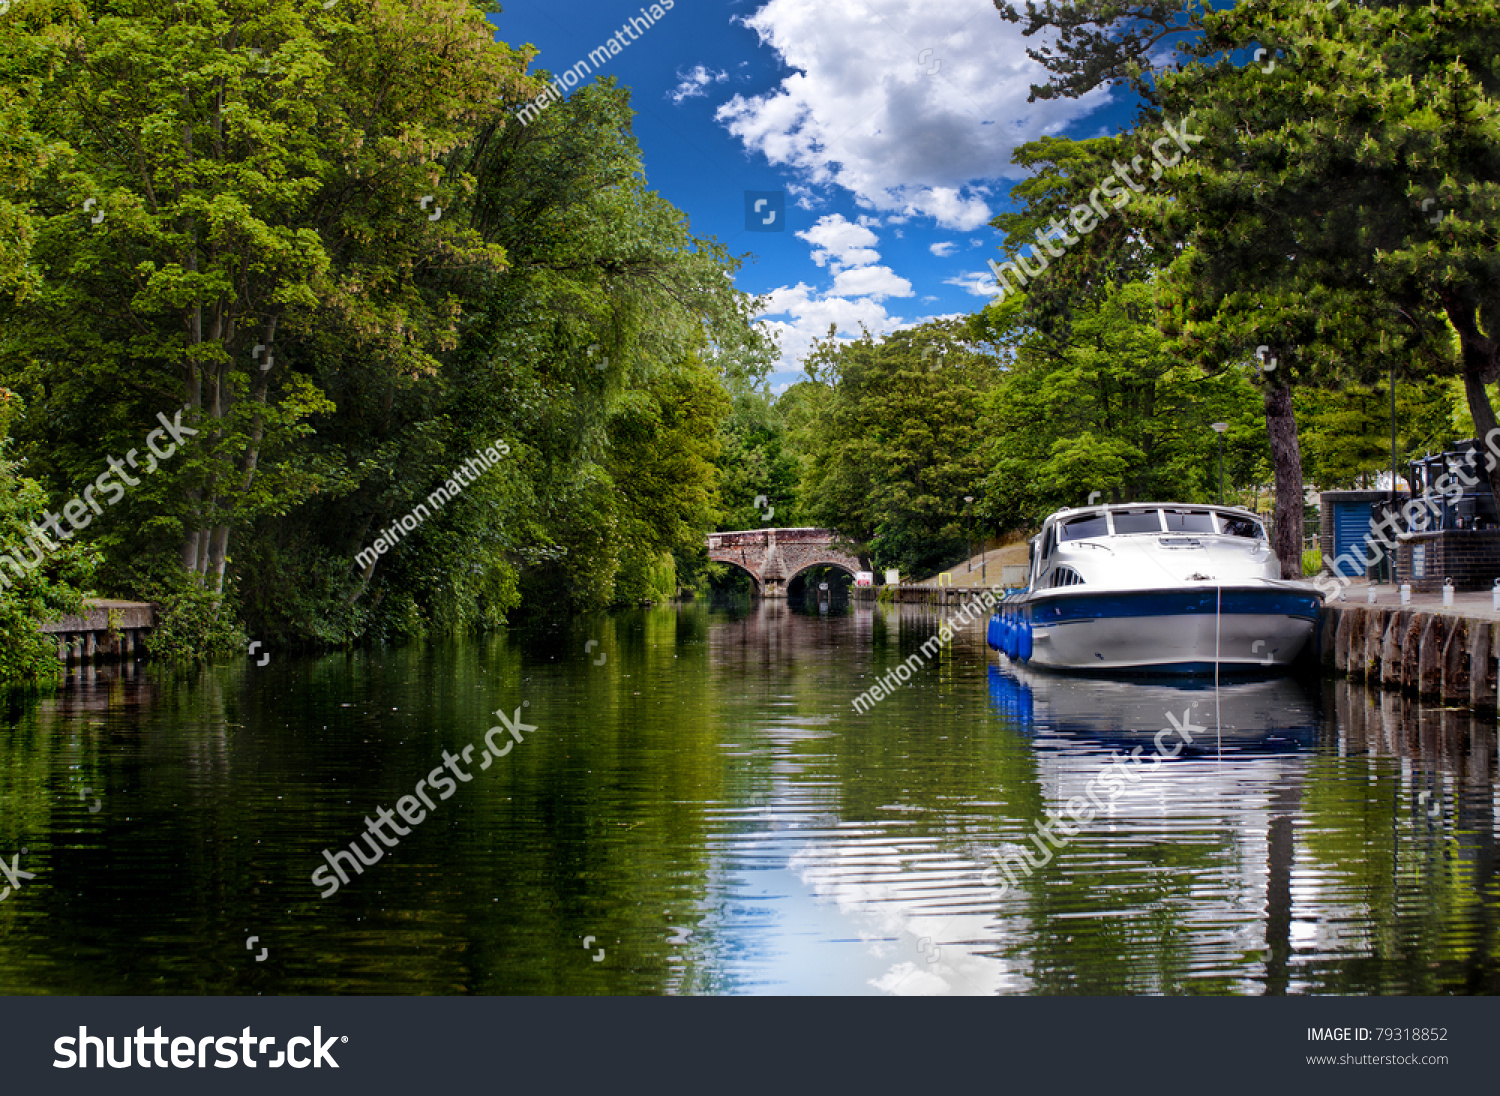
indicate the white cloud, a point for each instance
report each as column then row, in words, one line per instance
column 981, row 283
column 841, row 242
column 695, row 83
column 943, row 248
column 808, row 315
column 855, row 299
column 877, row 282
column 865, row 110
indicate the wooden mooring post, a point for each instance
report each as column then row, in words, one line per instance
column 1445, row 656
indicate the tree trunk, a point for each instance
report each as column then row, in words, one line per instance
column 1478, row 354
column 1286, row 459
column 190, row 547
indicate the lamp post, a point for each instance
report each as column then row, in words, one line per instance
column 1219, row 428
column 969, row 530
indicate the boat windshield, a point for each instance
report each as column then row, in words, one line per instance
column 1093, row 525
column 1241, row 527
column 1137, row 521
column 1189, row 521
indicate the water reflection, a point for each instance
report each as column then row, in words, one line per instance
column 702, row 801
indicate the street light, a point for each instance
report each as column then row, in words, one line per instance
column 969, row 530
column 1219, row 428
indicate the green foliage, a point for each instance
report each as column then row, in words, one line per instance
column 1346, row 433
column 642, row 579
column 36, row 583
column 193, row 625
column 557, row 304
column 888, row 433
column 1103, row 405
column 1312, row 561
column 757, row 461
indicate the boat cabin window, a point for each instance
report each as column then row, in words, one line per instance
column 1189, row 521
column 1241, row 527
column 1137, row 521
column 1094, row 525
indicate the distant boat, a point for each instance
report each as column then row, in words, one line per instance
column 1155, row 587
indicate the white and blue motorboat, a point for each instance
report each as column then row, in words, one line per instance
column 1155, row 587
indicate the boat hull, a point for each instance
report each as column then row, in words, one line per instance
column 1179, row 630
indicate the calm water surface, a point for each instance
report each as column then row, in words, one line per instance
column 699, row 798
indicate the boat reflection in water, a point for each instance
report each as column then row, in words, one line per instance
column 1130, row 810
column 1178, row 879
column 1269, row 715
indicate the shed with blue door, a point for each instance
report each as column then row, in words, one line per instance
column 1344, row 526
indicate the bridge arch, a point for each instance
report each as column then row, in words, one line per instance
column 802, row 575
column 738, row 566
column 776, row 556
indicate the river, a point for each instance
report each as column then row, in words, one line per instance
column 688, row 804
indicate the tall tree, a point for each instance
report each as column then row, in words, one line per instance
column 39, row 578
column 1107, row 408
column 1308, row 240
column 262, row 173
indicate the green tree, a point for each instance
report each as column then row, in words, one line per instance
column 1346, row 433
column 892, row 446
column 259, row 173
column 1307, row 210
column 757, row 462
column 1106, row 407
column 275, row 200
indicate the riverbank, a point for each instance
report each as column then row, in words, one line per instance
column 1446, row 652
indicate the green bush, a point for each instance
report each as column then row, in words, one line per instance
column 193, row 625
column 1312, row 561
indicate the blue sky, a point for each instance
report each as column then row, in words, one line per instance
column 887, row 124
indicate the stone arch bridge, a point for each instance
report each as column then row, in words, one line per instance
column 774, row 557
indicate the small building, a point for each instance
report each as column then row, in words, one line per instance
column 1344, row 525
